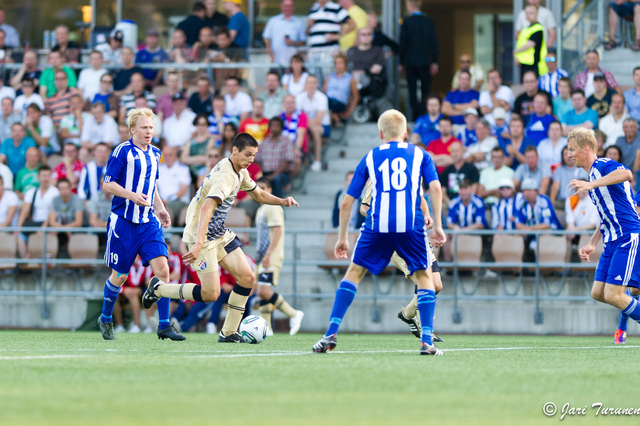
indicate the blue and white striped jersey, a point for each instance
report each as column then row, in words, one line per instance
column 396, row 170
column 503, row 213
column 542, row 212
column 135, row 170
column 464, row 216
column 89, row 183
column 618, row 215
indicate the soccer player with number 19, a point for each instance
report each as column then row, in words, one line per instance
column 610, row 191
column 133, row 227
column 394, row 223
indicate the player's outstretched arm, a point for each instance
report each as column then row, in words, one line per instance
column 342, row 245
column 206, row 211
column 116, row 189
column 264, row 197
column 616, row 176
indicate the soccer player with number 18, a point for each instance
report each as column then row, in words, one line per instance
column 394, row 223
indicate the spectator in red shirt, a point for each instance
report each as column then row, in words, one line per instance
column 256, row 124
column 276, row 155
column 70, row 167
column 440, row 149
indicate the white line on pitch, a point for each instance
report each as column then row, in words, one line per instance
column 11, row 358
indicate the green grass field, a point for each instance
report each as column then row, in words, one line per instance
column 66, row 378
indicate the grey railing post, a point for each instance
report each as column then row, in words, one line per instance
column 457, row 317
column 538, row 317
column 295, row 269
column 43, row 281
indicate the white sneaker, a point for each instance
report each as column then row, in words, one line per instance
column 316, row 166
column 148, row 330
column 119, row 329
column 295, row 323
column 211, row 328
column 134, row 329
column 269, row 332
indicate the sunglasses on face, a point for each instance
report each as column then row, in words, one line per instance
column 504, row 187
column 549, row 59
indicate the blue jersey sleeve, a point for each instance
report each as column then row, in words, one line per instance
column 607, row 167
column 429, row 172
column 359, row 180
column 117, row 162
column 521, row 215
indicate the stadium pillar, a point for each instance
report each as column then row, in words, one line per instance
column 517, row 7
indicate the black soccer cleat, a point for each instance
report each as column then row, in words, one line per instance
column 150, row 297
column 436, row 338
column 327, row 343
column 430, row 350
column 106, row 329
column 170, row 333
column 414, row 327
column 232, row 338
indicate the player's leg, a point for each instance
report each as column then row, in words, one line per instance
column 270, row 300
column 160, row 269
column 620, row 336
column 235, row 262
column 216, row 308
column 132, row 294
column 109, row 298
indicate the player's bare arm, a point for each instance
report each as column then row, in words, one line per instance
column 586, row 251
column 264, row 197
column 114, row 188
column 437, row 235
column 342, row 245
column 616, row 176
column 206, row 211
column 161, row 212
column 424, row 207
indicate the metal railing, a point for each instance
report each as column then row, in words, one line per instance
column 457, row 291
column 583, row 29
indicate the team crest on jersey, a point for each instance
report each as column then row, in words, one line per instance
column 202, row 265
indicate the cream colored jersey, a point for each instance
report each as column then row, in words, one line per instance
column 268, row 217
column 223, row 182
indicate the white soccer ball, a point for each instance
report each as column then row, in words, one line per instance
column 253, row 329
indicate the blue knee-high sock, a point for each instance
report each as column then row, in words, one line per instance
column 633, row 310
column 108, row 301
column 624, row 318
column 163, row 313
column 344, row 296
column 427, row 309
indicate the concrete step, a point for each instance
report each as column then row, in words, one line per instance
column 621, row 62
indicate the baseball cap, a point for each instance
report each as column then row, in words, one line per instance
column 153, row 32
column 506, row 182
column 116, row 35
column 499, row 113
column 599, row 75
column 471, row 111
column 179, row 96
column 529, row 184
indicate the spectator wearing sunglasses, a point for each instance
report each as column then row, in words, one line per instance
column 549, row 81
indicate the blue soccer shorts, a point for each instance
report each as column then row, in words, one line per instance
column 619, row 263
column 125, row 240
column 373, row 250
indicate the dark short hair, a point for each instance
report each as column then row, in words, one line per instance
column 44, row 168
column 465, row 72
column 223, row 31
column 464, row 183
column 244, row 140
column 34, row 106
column 266, row 181
column 200, row 116
column 616, row 147
column 566, row 80
column 580, row 91
column 635, row 69
column 198, row 7
column 63, row 180
column 433, row 97
column 497, row 149
column 276, row 119
column 103, row 144
column 445, row 118
column 530, row 148
column 592, row 51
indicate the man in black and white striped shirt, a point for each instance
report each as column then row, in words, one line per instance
column 326, row 23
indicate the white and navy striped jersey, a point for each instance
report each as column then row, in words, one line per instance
column 618, row 215
column 396, row 170
column 503, row 213
column 464, row 216
column 542, row 212
column 135, row 170
column 327, row 20
column 89, row 183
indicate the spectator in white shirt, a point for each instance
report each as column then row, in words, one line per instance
column 72, row 124
column 173, row 184
column 27, row 98
column 7, row 176
column 6, row 91
column 496, row 95
column 99, row 127
column 40, row 127
column 611, row 124
column 9, row 202
column 479, row 153
column 178, row 128
column 89, row 79
column 238, row 104
column 315, row 105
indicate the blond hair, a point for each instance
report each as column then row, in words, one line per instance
column 393, row 125
column 136, row 113
column 584, row 137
